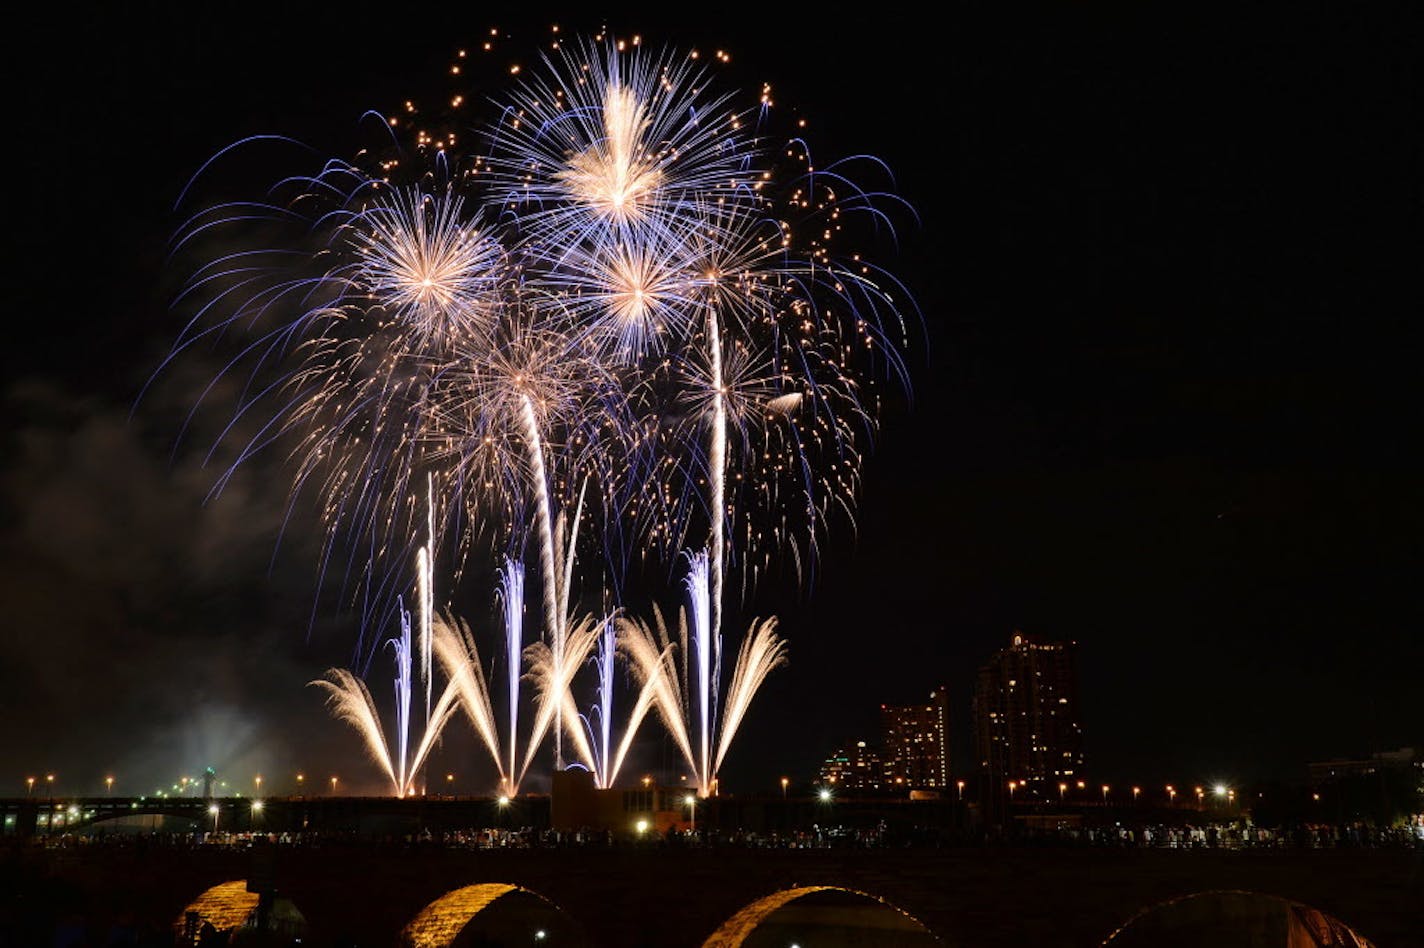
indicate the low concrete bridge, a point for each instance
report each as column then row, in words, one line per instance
column 628, row 896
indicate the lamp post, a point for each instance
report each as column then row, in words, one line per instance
column 1171, row 795
column 1105, row 794
column 1062, row 789
column 1135, row 792
column 300, row 779
column 691, row 802
column 29, row 786
column 959, row 785
column 1013, row 784
column 785, row 782
column 214, row 810
column 49, row 781
column 1201, row 794
column 109, row 785
column 257, row 780
column 333, row 786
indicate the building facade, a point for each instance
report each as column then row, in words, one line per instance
column 858, row 768
column 1027, row 727
column 915, row 745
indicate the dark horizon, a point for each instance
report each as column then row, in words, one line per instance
column 1165, row 411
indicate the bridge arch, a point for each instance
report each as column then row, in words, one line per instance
column 822, row 915
column 1234, row 918
column 497, row 911
column 228, row 906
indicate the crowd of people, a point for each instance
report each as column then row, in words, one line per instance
column 1207, row 835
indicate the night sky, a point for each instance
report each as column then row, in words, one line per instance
column 1167, row 409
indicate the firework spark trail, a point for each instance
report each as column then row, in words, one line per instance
column 762, row 650
column 511, row 596
column 603, row 708
column 698, row 641
column 650, row 654
column 402, row 648
column 554, row 705
column 349, row 700
column 455, row 647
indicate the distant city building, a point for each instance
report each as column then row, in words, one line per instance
column 857, row 769
column 915, row 747
column 1025, row 710
column 1327, row 772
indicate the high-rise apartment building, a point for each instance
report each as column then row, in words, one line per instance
column 1026, row 722
column 857, row 769
column 915, row 745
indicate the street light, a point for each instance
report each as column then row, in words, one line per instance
column 1171, row 794
column 785, row 782
column 825, row 795
column 300, row 778
column 29, row 786
column 1200, row 794
column 959, row 785
column 214, row 811
column 691, row 802
column 258, row 781
column 1062, row 789
column 49, row 780
column 109, row 785
column 1013, row 784
column 333, row 786
column 1135, row 792
column 1105, row 794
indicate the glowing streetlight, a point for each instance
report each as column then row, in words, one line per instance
column 449, row 783
column 1171, row 794
column 29, row 786
column 214, row 811
column 1062, row 789
column 959, row 785
column 785, row 782
column 647, row 780
column 49, row 781
column 109, row 785
column 1315, row 797
column 691, row 802
column 1105, row 794
column 1220, row 789
column 825, row 795
column 1200, row 795
column 641, row 826
column 503, row 801
column 1013, row 785
column 333, row 786
column 256, row 806
column 1136, row 791
column 300, row 779
column 258, row 781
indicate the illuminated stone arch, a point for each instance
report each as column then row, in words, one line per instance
column 893, row 926
column 226, row 905
column 440, row 923
column 1232, row 918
